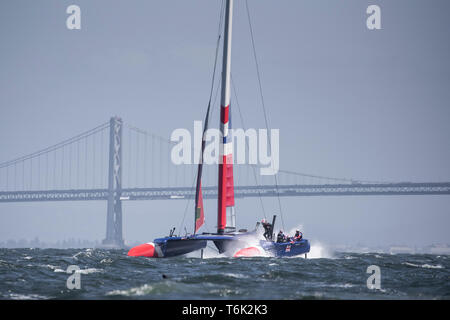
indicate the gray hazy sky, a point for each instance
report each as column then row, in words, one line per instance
column 349, row 102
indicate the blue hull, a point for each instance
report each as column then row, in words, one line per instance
column 176, row 246
column 286, row 249
column 228, row 241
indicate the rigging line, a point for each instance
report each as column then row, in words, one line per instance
column 212, row 84
column 216, row 95
column 262, row 102
column 56, row 146
column 187, row 205
column 161, row 163
column 213, row 79
column 222, row 12
column 219, row 35
column 243, row 125
column 208, row 114
column 102, row 160
column 62, row 168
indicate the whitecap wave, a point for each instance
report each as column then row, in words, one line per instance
column 88, row 270
column 425, row 265
column 17, row 296
column 138, row 291
column 52, row 267
column 235, row 275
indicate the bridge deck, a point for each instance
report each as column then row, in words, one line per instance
column 174, row 193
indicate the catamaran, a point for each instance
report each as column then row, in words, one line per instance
column 228, row 240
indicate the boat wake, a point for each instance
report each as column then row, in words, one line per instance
column 253, row 248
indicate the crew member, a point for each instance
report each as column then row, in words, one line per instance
column 267, row 229
column 298, row 235
column 281, row 237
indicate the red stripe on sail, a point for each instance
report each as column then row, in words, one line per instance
column 224, row 111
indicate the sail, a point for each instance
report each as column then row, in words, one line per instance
column 199, row 211
column 226, row 185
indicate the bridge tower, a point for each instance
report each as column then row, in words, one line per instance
column 114, row 237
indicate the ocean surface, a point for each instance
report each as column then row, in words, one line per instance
column 111, row 274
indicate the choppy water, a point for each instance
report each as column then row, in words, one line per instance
column 41, row 274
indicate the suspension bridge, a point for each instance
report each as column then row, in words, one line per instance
column 118, row 162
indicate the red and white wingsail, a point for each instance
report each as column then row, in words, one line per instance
column 225, row 214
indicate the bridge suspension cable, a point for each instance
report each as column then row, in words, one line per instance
column 56, row 146
column 81, row 162
column 56, row 166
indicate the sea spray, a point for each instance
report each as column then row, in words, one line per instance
column 319, row 251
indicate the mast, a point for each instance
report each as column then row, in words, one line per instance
column 226, row 187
